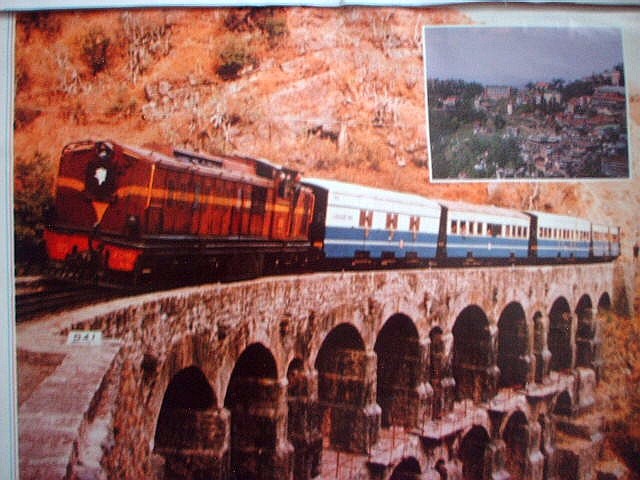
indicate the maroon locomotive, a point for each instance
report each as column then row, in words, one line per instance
column 132, row 214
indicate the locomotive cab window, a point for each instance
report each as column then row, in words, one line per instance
column 284, row 189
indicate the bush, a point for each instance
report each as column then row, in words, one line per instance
column 33, row 182
column 47, row 23
column 234, row 58
column 274, row 26
column 95, row 48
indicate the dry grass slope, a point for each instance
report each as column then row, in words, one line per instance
column 333, row 93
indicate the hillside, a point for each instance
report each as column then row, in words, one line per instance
column 332, row 93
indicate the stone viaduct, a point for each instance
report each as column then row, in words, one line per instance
column 481, row 373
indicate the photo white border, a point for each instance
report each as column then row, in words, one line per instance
column 8, row 401
column 18, row 5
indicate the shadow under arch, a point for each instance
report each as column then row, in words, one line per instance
column 191, row 431
column 255, row 400
column 346, row 390
column 516, row 437
column 473, row 362
column 474, row 454
column 398, row 372
column 560, row 335
column 407, row 469
column 513, row 345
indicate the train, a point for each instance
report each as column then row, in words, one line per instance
column 139, row 217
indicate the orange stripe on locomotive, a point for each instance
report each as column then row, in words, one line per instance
column 134, row 196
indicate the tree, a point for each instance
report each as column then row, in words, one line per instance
column 32, row 184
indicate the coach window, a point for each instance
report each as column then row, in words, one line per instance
column 472, row 228
column 463, row 227
column 454, row 226
column 414, row 226
column 366, row 219
column 392, row 224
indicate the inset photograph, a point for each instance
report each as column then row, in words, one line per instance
column 526, row 103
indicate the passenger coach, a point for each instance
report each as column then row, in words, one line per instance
column 485, row 233
column 560, row 236
column 354, row 224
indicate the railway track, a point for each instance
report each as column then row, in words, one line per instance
column 37, row 296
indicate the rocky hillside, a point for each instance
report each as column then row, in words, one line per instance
column 333, row 93
column 336, row 93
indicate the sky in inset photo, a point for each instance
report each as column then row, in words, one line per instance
column 514, row 56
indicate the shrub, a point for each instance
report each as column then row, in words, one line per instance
column 124, row 105
column 234, row 58
column 95, row 47
column 47, row 23
column 33, row 182
column 274, row 26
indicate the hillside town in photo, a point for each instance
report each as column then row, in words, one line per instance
column 534, row 103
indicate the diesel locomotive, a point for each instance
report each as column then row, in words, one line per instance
column 137, row 217
column 127, row 215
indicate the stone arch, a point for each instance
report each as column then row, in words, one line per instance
column 303, row 422
column 346, row 388
column 516, row 439
column 513, row 346
column 399, row 371
column 604, row 303
column 473, row 454
column 563, row 404
column 560, row 335
column 255, row 399
column 407, row 469
column 587, row 348
column 191, row 431
column 473, row 357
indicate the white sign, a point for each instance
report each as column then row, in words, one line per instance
column 85, row 337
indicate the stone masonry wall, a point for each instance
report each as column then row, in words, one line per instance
column 211, row 326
